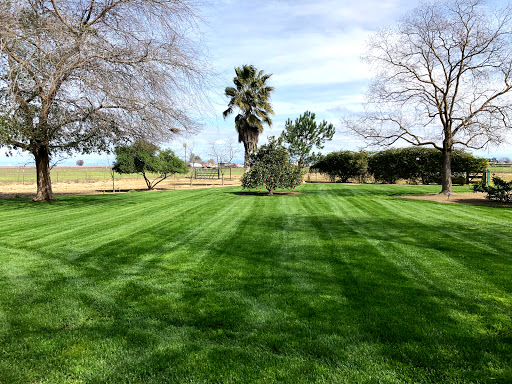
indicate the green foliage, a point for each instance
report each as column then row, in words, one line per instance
column 305, row 134
column 271, row 168
column 419, row 163
column 343, row 165
column 405, row 163
column 464, row 162
column 500, row 191
column 143, row 157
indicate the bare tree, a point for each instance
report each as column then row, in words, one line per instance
column 231, row 149
column 77, row 76
column 217, row 150
column 223, row 150
column 444, row 79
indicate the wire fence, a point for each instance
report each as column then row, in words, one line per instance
column 27, row 175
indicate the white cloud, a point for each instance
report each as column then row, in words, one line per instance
column 311, row 47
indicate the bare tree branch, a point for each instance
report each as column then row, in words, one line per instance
column 80, row 76
column 443, row 79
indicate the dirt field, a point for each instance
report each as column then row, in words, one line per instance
column 98, row 187
column 475, row 198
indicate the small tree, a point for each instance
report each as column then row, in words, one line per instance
column 270, row 168
column 80, row 163
column 144, row 158
column 216, row 150
column 305, row 134
column 195, row 158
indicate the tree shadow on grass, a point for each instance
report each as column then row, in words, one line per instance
column 263, row 193
column 162, row 305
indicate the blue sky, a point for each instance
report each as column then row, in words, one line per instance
column 313, row 50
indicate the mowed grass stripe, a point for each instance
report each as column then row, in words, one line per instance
column 384, row 244
column 133, row 289
column 106, row 225
column 463, row 244
column 76, row 211
column 354, row 343
column 339, row 284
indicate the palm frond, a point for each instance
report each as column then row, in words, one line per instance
column 227, row 112
column 230, row 92
column 251, row 95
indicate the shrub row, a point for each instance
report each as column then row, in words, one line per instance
column 414, row 164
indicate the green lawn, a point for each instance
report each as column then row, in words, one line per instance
column 500, row 168
column 340, row 284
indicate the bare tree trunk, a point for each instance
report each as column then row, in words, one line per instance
column 446, row 175
column 148, row 182
column 44, row 184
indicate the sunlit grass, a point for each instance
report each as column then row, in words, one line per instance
column 338, row 284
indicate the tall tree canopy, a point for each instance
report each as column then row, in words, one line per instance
column 77, row 76
column 305, row 134
column 444, row 79
column 251, row 96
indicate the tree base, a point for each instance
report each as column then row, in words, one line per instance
column 39, row 199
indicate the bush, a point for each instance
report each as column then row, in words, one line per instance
column 500, row 191
column 271, row 168
column 342, row 165
column 418, row 163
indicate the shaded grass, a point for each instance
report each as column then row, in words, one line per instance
column 338, row 284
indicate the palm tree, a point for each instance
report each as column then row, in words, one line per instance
column 251, row 96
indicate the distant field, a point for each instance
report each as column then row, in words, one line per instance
column 75, row 174
column 338, row 284
column 501, row 168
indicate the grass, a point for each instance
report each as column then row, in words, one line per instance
column 502, row 168
column 339, row 284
